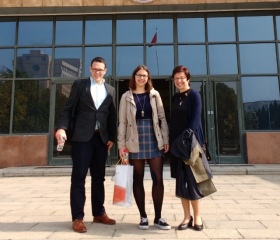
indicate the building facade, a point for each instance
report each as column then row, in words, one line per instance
column 231, row 48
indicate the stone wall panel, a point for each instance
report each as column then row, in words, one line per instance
column 93, row 3
column 68, row 3
column 32, row 3
column 52, row 3
column 9, row 3
column 262, row 147
column 23, row 150
column 113, row 3
column 79, row 3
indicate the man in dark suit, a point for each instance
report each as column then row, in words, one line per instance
column 93, row 136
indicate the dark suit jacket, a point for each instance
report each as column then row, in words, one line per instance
column 86, row 114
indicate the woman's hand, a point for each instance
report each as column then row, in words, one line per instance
column 166, row 148
column 123, row 153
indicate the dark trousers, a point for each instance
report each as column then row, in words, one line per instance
column 88, row 155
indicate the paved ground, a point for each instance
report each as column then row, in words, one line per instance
column 246, row 206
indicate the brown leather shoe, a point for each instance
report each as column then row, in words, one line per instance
column 104, row 219
column 79, row 226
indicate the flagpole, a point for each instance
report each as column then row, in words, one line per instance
column 157, row 55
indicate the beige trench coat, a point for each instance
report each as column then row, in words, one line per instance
column 127, row 129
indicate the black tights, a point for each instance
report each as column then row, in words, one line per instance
column 156, row 168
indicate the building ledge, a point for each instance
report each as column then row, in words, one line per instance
column 217, row 169
column 175, row 8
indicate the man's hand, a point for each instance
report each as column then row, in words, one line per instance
column 110, row 145
column 60, row 136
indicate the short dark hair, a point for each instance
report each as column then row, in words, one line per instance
column 148, row 85
column 181, row 69
column 98, row 59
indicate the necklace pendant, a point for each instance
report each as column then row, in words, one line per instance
column 180, row 103
column 142, row 113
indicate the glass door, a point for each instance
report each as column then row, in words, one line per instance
column 221, row 118
column 225, row 120
column 60, row 91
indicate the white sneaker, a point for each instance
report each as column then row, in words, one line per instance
column 144, row 223
column 162, row 224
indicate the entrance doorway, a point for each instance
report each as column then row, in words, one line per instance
column 222, row 118
column 221, row 114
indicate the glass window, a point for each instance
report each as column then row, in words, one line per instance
column 68, row 62
column 98, row 31
column 7, row 29
column 194, row 57
column 6, row 63
column 191, row 29
column 258, row 58
column 128, row 58
column 278, row 27
column 278, row 51
column 92, row 52
column 222, row 59
column 261, row 102
column 129, row 30
column 255, row 28
column 61, row 96
column 5, row 100
column 226, row 117
column 221, row 29
column 31, row 106
column 33, row 63
column 68, row 32
column 34, row 33
column 160, row 60
column 162, row 26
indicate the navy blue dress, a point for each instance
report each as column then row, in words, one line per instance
column 185, row 113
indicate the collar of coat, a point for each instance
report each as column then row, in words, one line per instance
column 129, row 94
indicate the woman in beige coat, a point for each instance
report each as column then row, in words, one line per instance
column 143, row 131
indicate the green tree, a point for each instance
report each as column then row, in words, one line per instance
column 5, row 105
column 31, row 108
column 227, row 112
column 5, row 99
column 251, row 120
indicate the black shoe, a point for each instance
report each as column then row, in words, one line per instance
column 144, row 223
column 184, row 226
column 162, row 224
column 198, row 227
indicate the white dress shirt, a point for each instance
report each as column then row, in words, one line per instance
column 98, row 94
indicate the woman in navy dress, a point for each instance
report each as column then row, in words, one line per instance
column 186, row 113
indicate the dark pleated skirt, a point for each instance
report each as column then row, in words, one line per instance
column 147, row 141
column 186, row 186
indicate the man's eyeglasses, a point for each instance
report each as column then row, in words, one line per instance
column 97, row 70
column 141, row 76
column 180, row 78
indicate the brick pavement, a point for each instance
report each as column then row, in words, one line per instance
column 246, row 206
